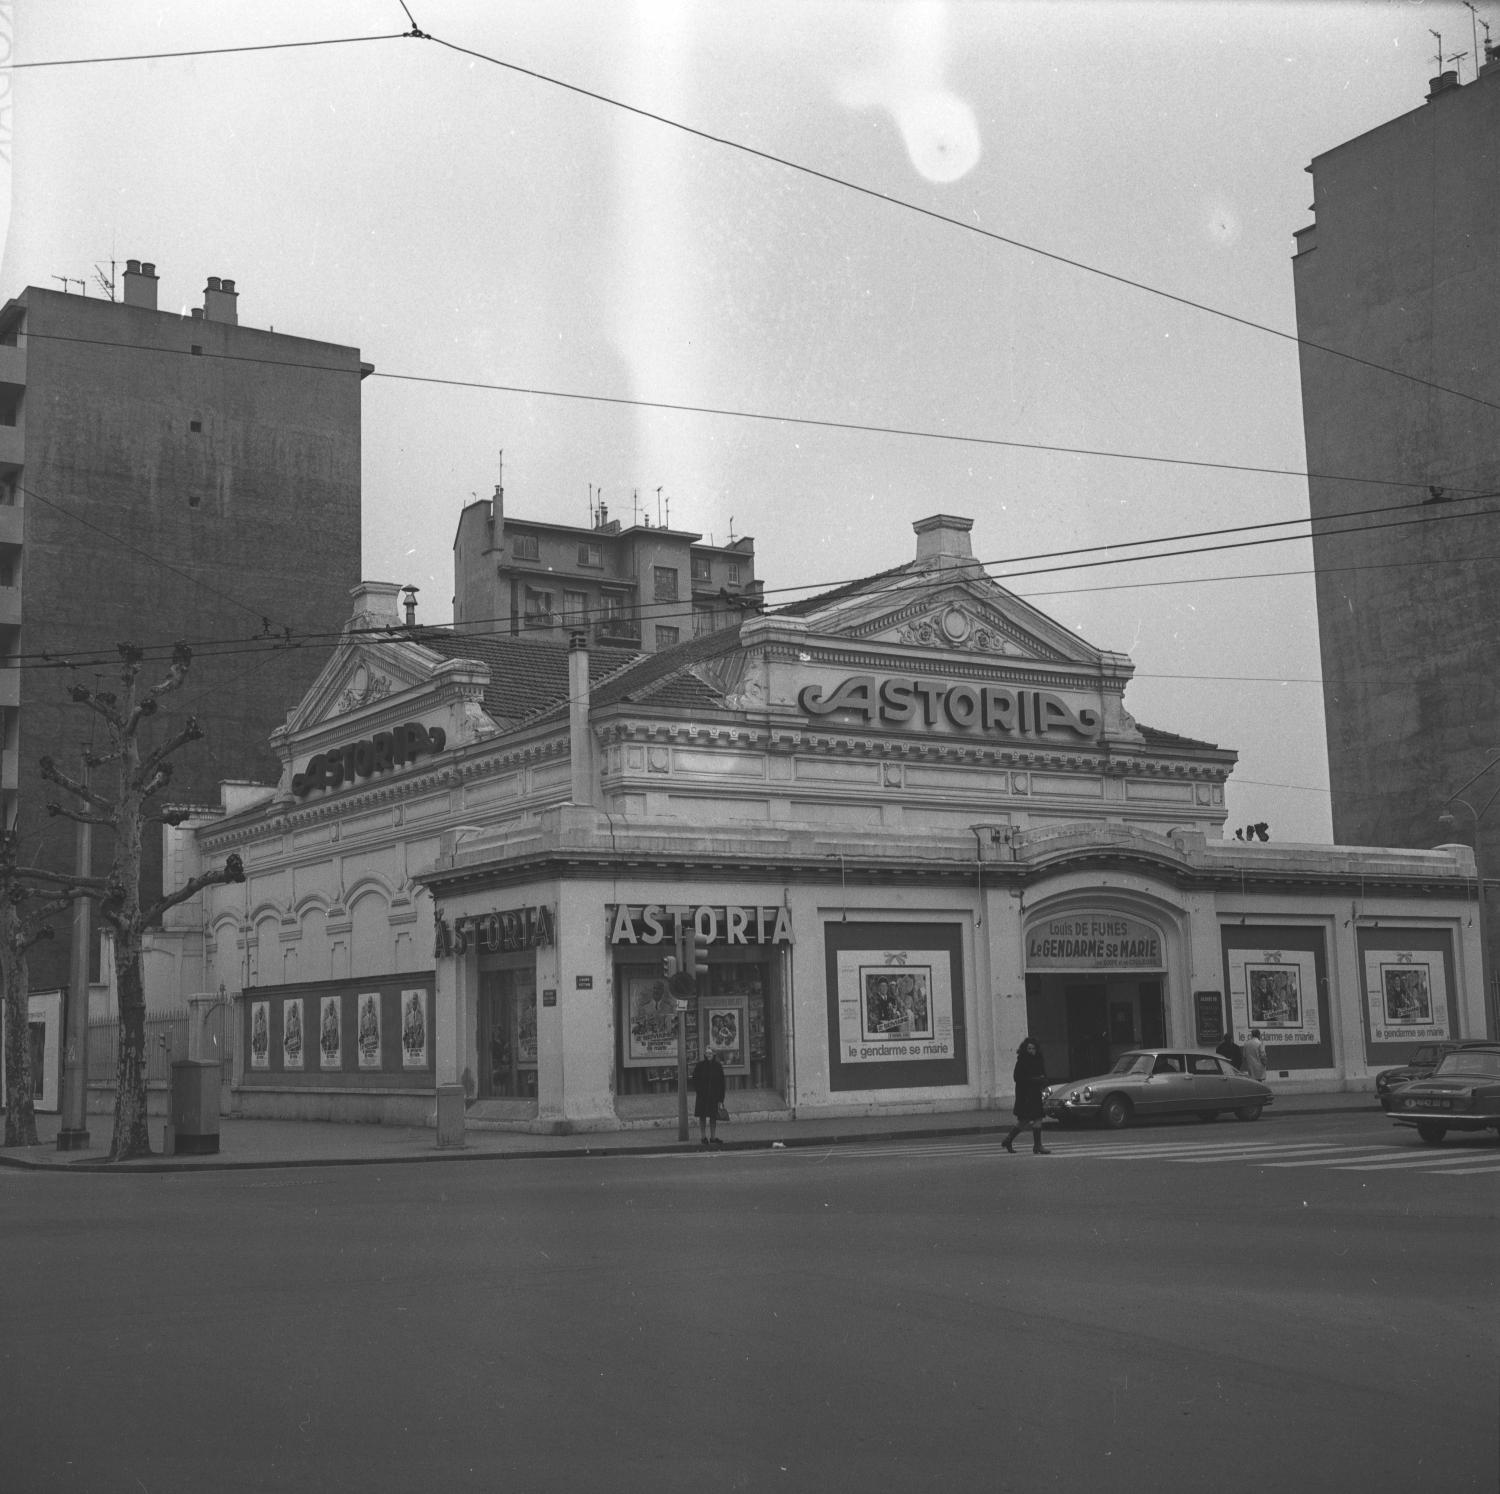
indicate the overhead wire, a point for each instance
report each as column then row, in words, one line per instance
column 900, row 579
column 814, row 173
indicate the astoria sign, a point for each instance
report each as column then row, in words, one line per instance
column 910, row 701
column 377, row 754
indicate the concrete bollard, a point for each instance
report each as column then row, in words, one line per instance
column 450, row 1115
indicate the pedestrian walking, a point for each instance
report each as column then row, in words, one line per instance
column 1231, row 1050
column 1030, row 1075
column 1255, row 1055
column 709, row 1086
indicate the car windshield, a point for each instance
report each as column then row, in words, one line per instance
column 1479, row 1064
column 1132, row 1063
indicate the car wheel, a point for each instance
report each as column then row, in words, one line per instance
column 1248, row 1112
column 1431, row 1132
column 1208, row 1115
column 1114, row 1112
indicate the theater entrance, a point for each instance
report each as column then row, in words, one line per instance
column 1094, row 990
column 1084, row 1023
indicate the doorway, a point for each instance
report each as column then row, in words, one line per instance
column 1084, row 1022
column 507, row 1034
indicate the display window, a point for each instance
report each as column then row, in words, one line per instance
column 735, row 1010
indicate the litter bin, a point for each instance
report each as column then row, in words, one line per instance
column 195, row 1107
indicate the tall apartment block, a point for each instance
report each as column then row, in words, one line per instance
column 635, row 587
column 165, row 477
column 1402, row 269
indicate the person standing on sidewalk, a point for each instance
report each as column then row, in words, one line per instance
column 709, row 1087
column 1030, row 1075
column 1255, row 1055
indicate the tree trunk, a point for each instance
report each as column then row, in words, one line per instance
column 131, row 1136
column 20, row 1094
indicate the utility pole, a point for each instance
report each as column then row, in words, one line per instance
column 74, row 1133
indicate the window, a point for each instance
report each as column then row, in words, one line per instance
column 703, row 621
column 665, row 579
column 538, row 608
column 1200, row 1065
column 195, row 425
column 525, row 547
column 590, row 555
column 734, row 573
column 703, row 568
column 666, row 637
column 197, row 350
column 1168, row 1063
column 575, row 607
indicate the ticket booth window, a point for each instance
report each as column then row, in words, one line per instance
column 507, row 1034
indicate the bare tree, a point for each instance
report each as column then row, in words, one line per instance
column 24, row 920
column 140, row 775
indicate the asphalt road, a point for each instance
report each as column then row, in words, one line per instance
column 1180, row 1307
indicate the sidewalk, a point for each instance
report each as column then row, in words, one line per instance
column 277, row 1143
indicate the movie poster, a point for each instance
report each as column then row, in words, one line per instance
column 1406, row 992
column 291, row 1034
column 367, row 1029
column 650, row 1022
column 896, row 1004
column 330, row 1035
column 260, row 1034
column 723, row 1029
column 1276, row 991
column 414, row 1029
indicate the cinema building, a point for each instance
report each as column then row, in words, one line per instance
column 908, row 821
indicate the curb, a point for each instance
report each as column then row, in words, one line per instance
column 159, row 1164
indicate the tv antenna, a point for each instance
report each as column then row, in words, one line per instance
column 1475, row 22
column 106, row 282
column 68, row 280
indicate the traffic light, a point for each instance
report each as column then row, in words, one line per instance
column 699, row 954
column 669, row 966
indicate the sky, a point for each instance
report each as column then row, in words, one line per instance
column 531, row 225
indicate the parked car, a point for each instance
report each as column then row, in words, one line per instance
column 1418, row 1066
column 1461, row 1094
column 1159, row 1081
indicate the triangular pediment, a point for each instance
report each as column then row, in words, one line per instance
column 361, row 674
column 964, row 613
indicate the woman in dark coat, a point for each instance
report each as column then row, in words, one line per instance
column 708, row 1085
column 1030, row 1074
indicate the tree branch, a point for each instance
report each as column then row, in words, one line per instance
column 62, row 812
column 233, row 870
column 33, row 878
column 75, row 786
column 182, row 656
column 191, row 732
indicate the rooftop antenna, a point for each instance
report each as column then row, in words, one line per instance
column 659, row 523
column 106, row 282
column 669, row 512
column 1439, row 58
column 593, row 522
column 1474, row 24
column 635, row 506
column 731, row 529
column 68, row 280
column 1458, row 57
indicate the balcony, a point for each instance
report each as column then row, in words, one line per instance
column 617, row 632
column 12, row 524
column 10, row 606
column 13, row 444
column 12, row 364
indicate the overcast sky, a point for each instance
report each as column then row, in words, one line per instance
column 459, row 220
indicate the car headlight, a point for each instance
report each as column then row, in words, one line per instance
column 1086, row 1093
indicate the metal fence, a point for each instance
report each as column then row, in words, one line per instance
column 166, row 1041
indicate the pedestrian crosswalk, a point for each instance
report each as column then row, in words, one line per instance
column 1454, row 1161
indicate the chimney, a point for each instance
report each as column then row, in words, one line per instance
column 409, row 601
column 138, row 285
column 374, row 605
column 580, row 738
column 219, row 298
column 943, row 539
column 1441, row 84
column 603, row 514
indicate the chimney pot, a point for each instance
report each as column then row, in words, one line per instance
column 138, row 285
column 1441, row 84
column 213, row 282
column 229, row 289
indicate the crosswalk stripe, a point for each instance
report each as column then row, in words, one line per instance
column 1428, row 1159
column 1469, row 1172
column 1379, row 1159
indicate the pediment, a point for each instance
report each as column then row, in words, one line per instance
column 958, row 624
column 966, row 614
column 361, row 675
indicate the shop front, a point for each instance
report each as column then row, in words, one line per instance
column 718, row 969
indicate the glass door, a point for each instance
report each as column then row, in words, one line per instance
column 507, row 1034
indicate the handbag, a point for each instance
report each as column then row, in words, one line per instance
column 721, row 1113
